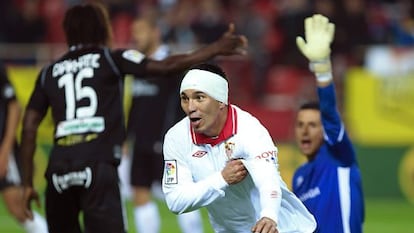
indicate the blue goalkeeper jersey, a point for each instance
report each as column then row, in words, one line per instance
column 330, row 185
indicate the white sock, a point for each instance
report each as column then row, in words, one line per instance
column 147, row 218
column 191, row 222
column 37, row 225
column 124, row 169
column 156, row 190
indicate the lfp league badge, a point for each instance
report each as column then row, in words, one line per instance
column 171, row 172
column 229, row 147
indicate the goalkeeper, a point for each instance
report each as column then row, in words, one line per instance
column 329, row 184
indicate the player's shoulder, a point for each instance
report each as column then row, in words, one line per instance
column 247, row 121
column 131, row 55
column 243, row 115
column 179, row 129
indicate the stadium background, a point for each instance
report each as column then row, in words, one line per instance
column 374, row 73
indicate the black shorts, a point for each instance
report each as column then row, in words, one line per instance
column 146, row 168
column 90, row 188
column 13, row 176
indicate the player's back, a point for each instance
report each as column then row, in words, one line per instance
column 84, row 90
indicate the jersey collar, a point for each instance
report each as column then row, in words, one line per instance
column 229, row 129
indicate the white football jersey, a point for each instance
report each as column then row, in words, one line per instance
column 192, row 178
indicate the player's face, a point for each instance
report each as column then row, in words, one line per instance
column 309, row 132
column 205, row 112
column 143, row 36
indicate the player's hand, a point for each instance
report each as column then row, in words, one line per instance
column 234, row 171
column 29, row 195
column 265, row 225
column 232, row 44
column 319, row 34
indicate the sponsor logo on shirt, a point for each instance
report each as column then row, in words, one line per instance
column 311, row 193
column 268, row 156
column 75, row 178
column 299, row 180
column 170, row 171
column 229, row 147
column 274, row 194
column 199, row 154
column 79, row 126
column 144, row 88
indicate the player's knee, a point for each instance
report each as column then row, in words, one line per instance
column 142, row 196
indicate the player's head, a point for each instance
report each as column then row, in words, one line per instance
column 145, row 34
column 204, row 98
column 87, row 24
column 309, row 129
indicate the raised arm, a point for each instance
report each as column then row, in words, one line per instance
column 319, row 34
column 229, row 44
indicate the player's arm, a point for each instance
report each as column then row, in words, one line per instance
column 9, row 139
column 31, row 122
column 228, row 44
column 334, row 128
column 34, row 113
column 319, row 34
column 265, row 176
column 187, row 195
column 182, row 194
column 12, row 119
column 262, row 166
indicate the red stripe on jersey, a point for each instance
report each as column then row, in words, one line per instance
column 229, row 129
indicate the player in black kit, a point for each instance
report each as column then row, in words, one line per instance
column 84, row 91
column 11, row 187
column 155, row 107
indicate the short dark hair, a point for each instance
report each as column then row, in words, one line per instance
column 213, row 68
column 87, row 24
column 310, row 105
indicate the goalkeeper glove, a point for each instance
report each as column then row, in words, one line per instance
column 319, row 34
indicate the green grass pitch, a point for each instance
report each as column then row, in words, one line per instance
column 382, row 216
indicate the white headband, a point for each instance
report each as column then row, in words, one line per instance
column 212, row 84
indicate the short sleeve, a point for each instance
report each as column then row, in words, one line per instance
column 38, row 99
column 130, row 61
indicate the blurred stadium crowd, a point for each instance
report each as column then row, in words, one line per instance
column 32, row 28
column 271, row 25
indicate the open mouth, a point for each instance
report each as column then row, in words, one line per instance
column 195, row 121
column 305, row 143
